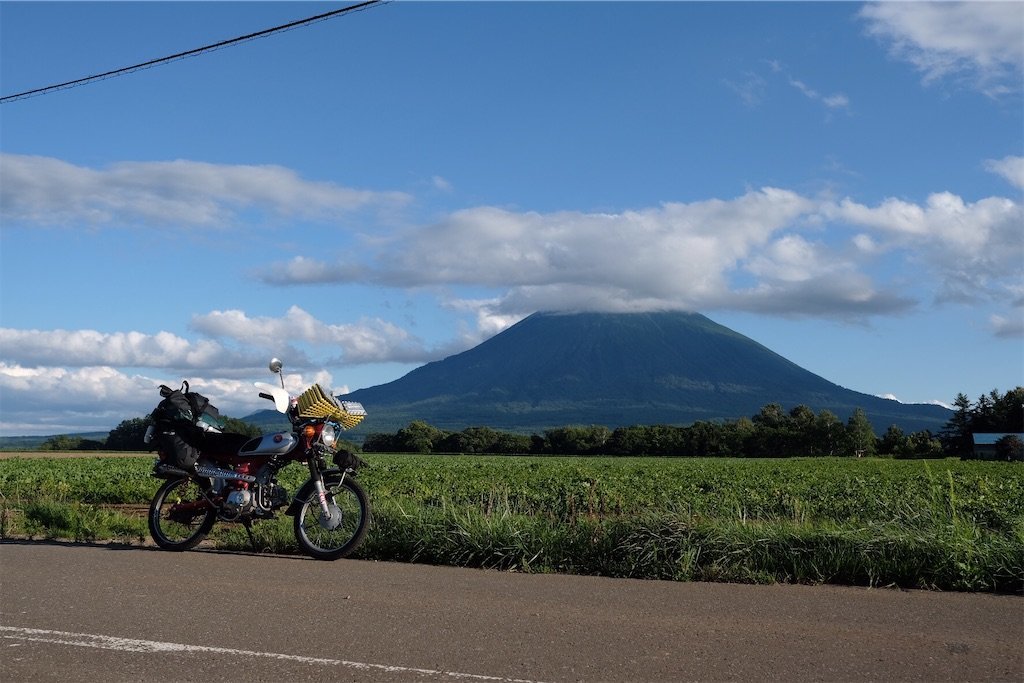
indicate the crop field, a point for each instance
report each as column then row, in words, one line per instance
column 946, row 524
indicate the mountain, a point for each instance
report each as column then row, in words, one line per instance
column 554, row 369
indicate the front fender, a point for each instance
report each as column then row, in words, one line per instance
column 307, row 490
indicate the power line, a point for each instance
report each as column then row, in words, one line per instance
column 189, row 53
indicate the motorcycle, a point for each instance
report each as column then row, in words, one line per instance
column 234, row 477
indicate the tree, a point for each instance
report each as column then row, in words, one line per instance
column 828, row 433
column 894, row 442
column 705, row 440
column 1010, row 447
column 956, row 435
column 128, row 435
column 577, row 440
column 1009, row 411
column 773, row 435
column 418, row 437
column 735, row 435
column 632, row 440
column 860, row 436
column 510, row 444
column 235, row 426
column 62, row 442
column 379, row 442
column 469, row 440
column 992, row 413
column 923, row 445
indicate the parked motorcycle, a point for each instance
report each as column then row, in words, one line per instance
column 215, row 476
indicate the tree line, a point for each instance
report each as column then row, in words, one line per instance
column 128, row 436
column 773, row 432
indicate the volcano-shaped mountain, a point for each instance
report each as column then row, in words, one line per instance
column 552, row 370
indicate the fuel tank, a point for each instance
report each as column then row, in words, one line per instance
column 271, row 444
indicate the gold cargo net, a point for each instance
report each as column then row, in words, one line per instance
column 317, row 403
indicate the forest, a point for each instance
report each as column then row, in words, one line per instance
column 772, row 432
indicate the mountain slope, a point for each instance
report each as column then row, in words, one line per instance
column 617, row 369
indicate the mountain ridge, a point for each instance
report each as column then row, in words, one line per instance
column 617, row 369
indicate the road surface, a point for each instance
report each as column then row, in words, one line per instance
column 113, row 613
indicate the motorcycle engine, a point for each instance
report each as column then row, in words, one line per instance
column 261, row 500
column 238, row 502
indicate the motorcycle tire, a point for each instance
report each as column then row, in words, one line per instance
column 335, row 537
column 174, row 527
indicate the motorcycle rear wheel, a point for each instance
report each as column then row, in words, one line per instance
column 332, row 539
column 178, row 520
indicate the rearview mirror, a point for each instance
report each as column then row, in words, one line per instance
column 276, row 365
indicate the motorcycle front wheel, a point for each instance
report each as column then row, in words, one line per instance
column 179, row 516
column 332, row 537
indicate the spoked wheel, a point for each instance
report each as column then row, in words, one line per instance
column 179, row 516
column 336, row 536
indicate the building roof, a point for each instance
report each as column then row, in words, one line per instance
column 989, row 439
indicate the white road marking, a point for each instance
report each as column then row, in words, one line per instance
column 136, row 645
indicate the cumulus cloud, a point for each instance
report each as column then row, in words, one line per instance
column 973, row 247
column 979, row 44
column 673, row 256
column 368, row 341
column 60, row 381
column 768, row 250
column 1011, row 168
column 57, row 400
column 46, row 191
column 771, row 250
column 82, row 348
column 52, row 400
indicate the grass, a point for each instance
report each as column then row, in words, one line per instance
column 945, row 524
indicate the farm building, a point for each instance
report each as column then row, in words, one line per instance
column 986, row 448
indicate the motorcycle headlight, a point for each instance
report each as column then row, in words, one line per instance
column 329, row 435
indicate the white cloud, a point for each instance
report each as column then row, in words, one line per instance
column 676, row 255
column 60, row 381
column 47, row 191
column 791, row 258
column 834, row 101
column 303, row 270
column 1010, row 328
column 979, row 44
column 52, row 400
column 369, row 341
column 1011, row 168
column 693, row 256
column 752, row 88
column 82, row 348
column 58, row 400
column 974, row 248
column 770, row 250
column 442, row 184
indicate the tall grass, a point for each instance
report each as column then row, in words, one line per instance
column 949, row 525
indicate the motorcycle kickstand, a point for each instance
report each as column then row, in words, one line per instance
column 247, row 523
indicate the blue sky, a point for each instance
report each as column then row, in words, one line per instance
column 841, row 182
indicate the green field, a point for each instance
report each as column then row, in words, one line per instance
column 948, row 524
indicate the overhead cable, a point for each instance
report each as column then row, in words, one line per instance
column 189, row 53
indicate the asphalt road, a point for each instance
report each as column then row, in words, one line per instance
column 110, row 613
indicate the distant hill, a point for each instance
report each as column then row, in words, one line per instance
column 31, row 443
column 556, row 369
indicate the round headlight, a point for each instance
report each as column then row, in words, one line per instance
column 328, row 435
